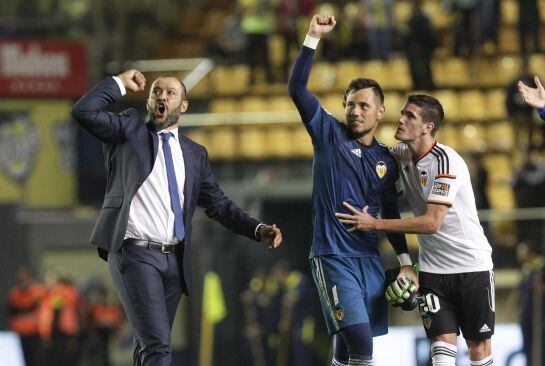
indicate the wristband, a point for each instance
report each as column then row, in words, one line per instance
column 311, row 42
column 404, row 259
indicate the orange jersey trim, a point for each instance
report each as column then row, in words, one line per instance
column 448, row 204
column 426, row 153
column 445, row 176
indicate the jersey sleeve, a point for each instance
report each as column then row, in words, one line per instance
column 393, row 185
column 322, row 128
column 447, row 182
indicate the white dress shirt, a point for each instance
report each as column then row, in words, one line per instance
column 151, row 216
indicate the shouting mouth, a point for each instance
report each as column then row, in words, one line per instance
column 161, row 108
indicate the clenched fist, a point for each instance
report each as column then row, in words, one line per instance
column 321, row 24
column 133, row 80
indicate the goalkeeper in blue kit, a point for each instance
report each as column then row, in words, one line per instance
column 349, row 165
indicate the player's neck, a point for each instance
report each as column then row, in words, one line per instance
column 421, row 147
column 367, row 139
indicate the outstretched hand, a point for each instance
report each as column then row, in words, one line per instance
column 321, row 24
column 359, row 220
column 271, row 236
column 533, row 96
column 133, row 80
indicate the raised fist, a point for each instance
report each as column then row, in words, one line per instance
column 133, row 80
column 321, row 24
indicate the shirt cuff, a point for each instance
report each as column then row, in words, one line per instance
column 120, row 84
column 311, row 42
column 256, row 231
column 404, row 259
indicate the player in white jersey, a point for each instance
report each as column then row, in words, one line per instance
column 456, row 279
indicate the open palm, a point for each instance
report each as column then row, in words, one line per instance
column 533, row 96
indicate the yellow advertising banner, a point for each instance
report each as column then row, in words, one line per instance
column 37, row 153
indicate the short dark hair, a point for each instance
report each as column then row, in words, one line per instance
column 431, row 109
column 363, row 83
column 184, row 89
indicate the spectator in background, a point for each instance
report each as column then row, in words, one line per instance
column 258, row 24
column 532, row 303
column 479, row 181
column 518, row 111
column 59, row 321
column 420, row 43
column 288, row 13
column 379, row 27
column 465, row 25
column 528, row 25
column 490, row 22
column 24, row 301
column 104, row 319
column 229, row 45
column 529, row 186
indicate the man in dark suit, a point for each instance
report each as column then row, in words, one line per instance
column 155, row 179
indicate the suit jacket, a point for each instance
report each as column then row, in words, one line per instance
column 130, row 148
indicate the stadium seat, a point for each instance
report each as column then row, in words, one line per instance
column 501, row 196
column 500, row 136
column 302, row 144
column 230, row 80
column 252, row 143
column 398, row 75
column 394, row 103
column 402, row 12
column 279, row 141
column 495, row 104
column 348, row 70
column 472, row 138
column 439, row 17
column 507, row 68
column 224, row 105
column 374, row 69
column 322, row 77
column 386, row 132
column 499, row 168
column 199, row 135
column 508, row 39
column 253, row 104
column 280, row 103
column 453, row 72
column 537, row 64
column 449, row 99
column 449, row 135
column 509, row 12
column 276, row 49
column 472, row 105
column 222, row 142
column 486, row 73
column 333, row 103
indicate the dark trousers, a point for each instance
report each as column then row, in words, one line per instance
column 148, row 284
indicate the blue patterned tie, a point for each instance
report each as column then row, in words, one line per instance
column 179, row 230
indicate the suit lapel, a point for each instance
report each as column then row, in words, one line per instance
column 188, row 158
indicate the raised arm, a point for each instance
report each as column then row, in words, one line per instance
column 89, row 110
column 304, row 100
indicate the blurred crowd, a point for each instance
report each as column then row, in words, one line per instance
column 62, row 325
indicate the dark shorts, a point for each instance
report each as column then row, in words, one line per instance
column 458, row 301
column 351, row 291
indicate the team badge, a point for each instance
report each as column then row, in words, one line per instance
column 381, row 169
column 339, row 313
column 426, row 320
column 424, row 178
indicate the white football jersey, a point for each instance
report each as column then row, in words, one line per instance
column 441, row 177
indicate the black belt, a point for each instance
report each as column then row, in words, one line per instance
column 160, row 247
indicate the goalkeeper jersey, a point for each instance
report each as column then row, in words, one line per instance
column 441, row 176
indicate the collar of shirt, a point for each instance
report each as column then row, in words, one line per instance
column 173, row 131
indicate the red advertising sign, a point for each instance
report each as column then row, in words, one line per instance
column 42, row 69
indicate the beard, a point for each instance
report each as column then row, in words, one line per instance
column 172, row 117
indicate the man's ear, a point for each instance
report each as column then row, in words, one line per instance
column 429, row 127
column 184, row 105
column 381, row 111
